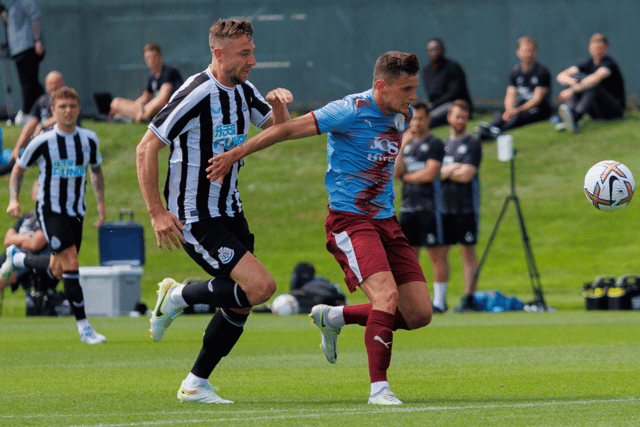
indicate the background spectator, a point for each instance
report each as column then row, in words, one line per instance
column 444, row 81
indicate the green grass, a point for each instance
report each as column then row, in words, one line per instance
column 568, row 367
column 283, row 195
column 565, row 368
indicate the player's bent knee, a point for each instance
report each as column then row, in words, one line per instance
column 418, row 320
column 262, row 291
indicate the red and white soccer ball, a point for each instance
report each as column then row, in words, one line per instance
column 285, row 305
column 609, row 185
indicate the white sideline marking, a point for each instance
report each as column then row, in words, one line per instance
column 307, row 413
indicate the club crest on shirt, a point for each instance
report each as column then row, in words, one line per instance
column 55, row 243
column 225, row 255
column 462, row 149
column 399, row 122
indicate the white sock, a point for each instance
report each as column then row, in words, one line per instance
column 18, row 260
column 83, row 323
column 335, row 316
column 440, row 294
column 176, row 296
column 192, row 381
column 377, row 386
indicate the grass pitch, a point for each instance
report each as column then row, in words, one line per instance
column 568, row 367
column 564, row 368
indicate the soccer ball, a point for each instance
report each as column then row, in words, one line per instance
column 609, row 185
column 285, row 305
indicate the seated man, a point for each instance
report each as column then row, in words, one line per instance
column 163, row 81
column 444, row 81
column 600, row 94
column 40, row 118
column 528, row 98
column 27, row 253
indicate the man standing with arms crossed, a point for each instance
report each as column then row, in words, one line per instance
column 461, row 196
column 418, row 167
column 210, row 113
column 365, row 131
column 63, row 154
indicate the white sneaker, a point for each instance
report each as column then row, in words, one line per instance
column 7, row 266
column 384, row 397
column 21, row 118
column 204, row 394
column 329, row 334
column 165, row 310
column 89, row 336
column 567, row 118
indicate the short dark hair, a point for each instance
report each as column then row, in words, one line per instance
column 228, row 28
column 437, row 40
column 460, row 103
column 393, row 64
column 154, row 47
column 64, row 93
column 419, row 105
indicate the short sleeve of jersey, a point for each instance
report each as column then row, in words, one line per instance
column 95, row 158
column 436, row 150
column 337, row 116
column 178, row 116
column 18, row 223
column 586, row 66
column 544, row 79
column 32, row 151
column 512, row 77
column 474, row 155
column 260, row 109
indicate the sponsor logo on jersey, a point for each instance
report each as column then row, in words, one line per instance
column 386, row 146
column 229, row 143
column 67, row 169
column 225, row 255
column 225, row 130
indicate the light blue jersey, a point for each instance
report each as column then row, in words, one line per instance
column 362, row 146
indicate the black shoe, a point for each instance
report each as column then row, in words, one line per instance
column 467, row 303
column 438, row 310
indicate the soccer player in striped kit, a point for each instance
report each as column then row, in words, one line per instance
column 64, row 154
column 365, row 132
column 210, row 113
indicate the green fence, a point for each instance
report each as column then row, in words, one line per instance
column 324, row 49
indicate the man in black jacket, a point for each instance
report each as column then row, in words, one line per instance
column 444, row 81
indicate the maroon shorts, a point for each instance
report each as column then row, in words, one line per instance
column 364, row 246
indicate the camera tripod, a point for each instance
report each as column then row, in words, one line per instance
column 531, row 262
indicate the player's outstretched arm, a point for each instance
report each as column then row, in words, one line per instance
column 299, row 127
column 167, row 227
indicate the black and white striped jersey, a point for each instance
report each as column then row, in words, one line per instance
column 202, row 119
column 63, row 159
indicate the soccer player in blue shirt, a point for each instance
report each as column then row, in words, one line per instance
column 364, row 137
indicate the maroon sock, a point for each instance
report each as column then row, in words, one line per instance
column 378, row 339
column 399, row 322
column 356, row 314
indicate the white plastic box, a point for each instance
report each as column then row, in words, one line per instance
column 110, row 291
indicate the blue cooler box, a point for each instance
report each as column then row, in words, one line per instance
column 121, row 242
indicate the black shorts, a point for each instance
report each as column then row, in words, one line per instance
column 422, row 228
column 217, row 244
column 61, row 231
column 462, row 229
